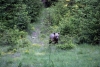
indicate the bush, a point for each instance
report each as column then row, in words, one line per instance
column 11, row 37
column 14, row 13
column 79, row 21
column 66, row 42
column 33, row 7
column 23, row 42
column 66, row 46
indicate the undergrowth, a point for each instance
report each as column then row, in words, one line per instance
column 49, row 56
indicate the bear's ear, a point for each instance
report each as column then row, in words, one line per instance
column 58, row 33
column 54, row 33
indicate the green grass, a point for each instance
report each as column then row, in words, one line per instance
column 44, row 56
column 41, row 55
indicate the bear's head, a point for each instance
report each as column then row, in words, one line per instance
column 56, row 36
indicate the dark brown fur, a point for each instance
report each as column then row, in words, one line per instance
column 54, row 37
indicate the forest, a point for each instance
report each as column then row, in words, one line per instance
column 26, row 25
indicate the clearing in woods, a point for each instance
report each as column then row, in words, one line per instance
column 40, row 54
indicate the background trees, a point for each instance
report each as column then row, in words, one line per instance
column 15, row 17
column 75, row 19
column 79, row 20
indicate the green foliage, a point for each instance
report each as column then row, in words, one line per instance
column 66, row 46
column 33, row 7
column 80, row 20
column 66, row 42
column 15, row 18
column 83, row 56
column 57, row 13
column 14, row 13
column 11, row 37
column 23, row 42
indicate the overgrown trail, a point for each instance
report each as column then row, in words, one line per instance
column 39, row 33
column 34, row 36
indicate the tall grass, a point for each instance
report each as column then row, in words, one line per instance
column 43, row 56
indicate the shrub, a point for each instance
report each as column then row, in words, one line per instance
column 81, row 22
column 14, row 13
column 12, row 37
column 33, row 7
column 26, row 51
column 23, row 42
column 66, row 43
column 66, row 46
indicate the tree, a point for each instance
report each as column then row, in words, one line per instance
column 13, row 19
column 33, row 7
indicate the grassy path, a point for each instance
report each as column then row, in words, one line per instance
column 38, row 35
column 39, row 56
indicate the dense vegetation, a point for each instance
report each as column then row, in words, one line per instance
column 41, row 56
column 25, row 26
column 78, row 20
column 15, row 19
column 75, row 19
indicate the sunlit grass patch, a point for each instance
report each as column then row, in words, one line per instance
column 10, row 52
column 66, row 46
column 39, row 54
column 6, row 53
column 16, row 58
column 36, row 45
column 3, row 53
column 27, row 52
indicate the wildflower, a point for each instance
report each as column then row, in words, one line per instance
column 27, row 52
column 14, row 50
